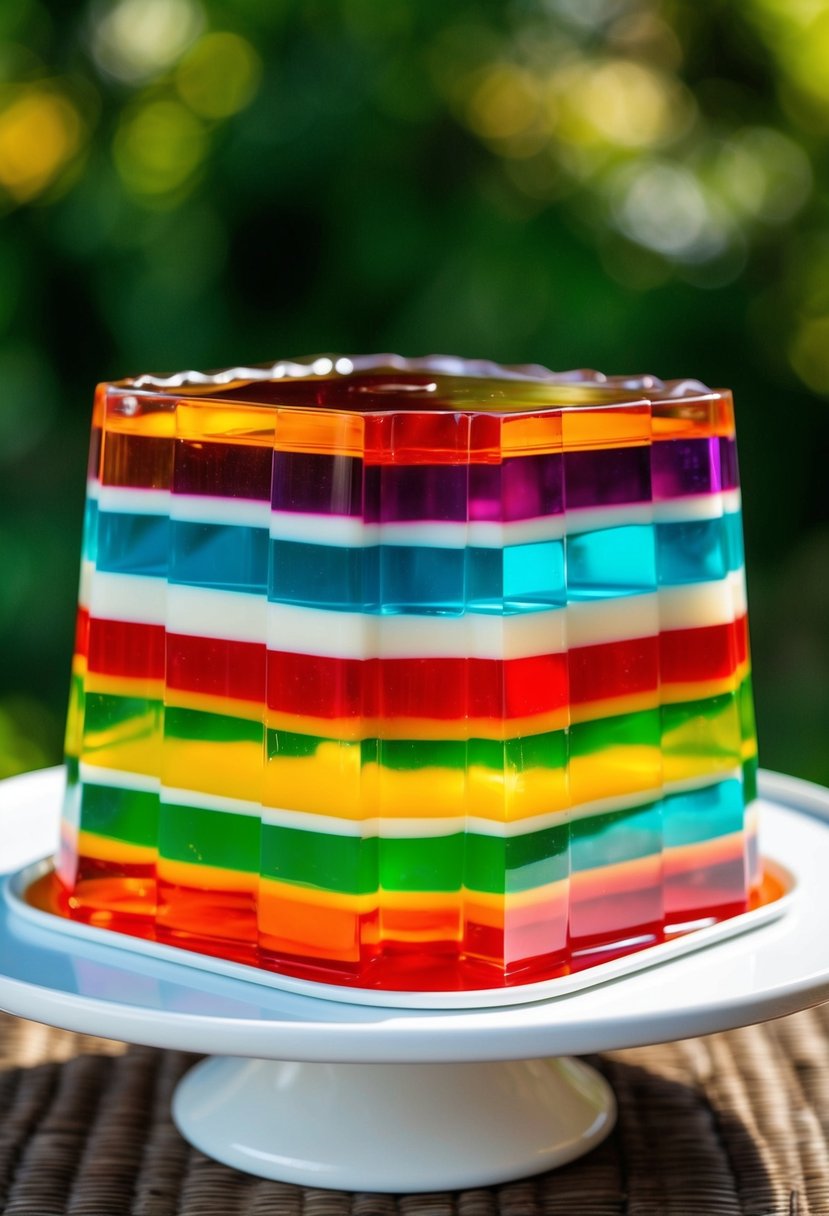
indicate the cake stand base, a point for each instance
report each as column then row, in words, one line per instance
column 393, row 1127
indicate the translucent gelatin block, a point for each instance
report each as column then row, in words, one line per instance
column 411, row 674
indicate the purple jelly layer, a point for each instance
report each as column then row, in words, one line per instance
column 520, row 487
column 694, row 466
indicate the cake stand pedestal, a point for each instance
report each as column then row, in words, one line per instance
column 394, row 1127
column 358, row 1097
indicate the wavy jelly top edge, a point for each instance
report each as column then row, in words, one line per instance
column 389, row 382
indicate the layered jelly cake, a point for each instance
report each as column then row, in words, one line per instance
column 410, row 674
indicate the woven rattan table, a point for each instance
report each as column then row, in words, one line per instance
column 732, row 1124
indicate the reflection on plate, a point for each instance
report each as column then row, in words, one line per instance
column 30, row 895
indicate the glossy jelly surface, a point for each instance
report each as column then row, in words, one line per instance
column 410, row 674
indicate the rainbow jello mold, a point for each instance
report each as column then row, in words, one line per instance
column 410, row 674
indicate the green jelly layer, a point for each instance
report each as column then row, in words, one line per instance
column 352, row 865
column 129, row 816
column 209, row 838
column 198, row 724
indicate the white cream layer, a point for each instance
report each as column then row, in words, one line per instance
column 238, row 616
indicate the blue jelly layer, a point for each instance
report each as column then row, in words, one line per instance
column 605, row 563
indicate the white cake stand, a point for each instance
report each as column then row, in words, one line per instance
column 358, row 1097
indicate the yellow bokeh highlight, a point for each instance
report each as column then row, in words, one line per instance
column 797, row 31
column 40, row 132
column 627, row 103
column 219, row 76
column 158, row 147
column 791, row 12
column 505, row 103
column 807, row 59
column 583, row 105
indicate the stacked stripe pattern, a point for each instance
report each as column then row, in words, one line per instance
column 411, row 680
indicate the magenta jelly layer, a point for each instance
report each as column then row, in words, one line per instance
column 520, row 487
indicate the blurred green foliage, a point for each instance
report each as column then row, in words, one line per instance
column 634, row 185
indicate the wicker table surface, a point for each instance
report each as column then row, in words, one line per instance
column 732, row 1124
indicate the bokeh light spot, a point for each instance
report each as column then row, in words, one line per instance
column 762, row 174
column 809, row 55
column 589, row 14
column 135, row 40
column 663, row 207
column 40, row 132
column 629, row 104
column 158, row 147
column 219, row 76
column 504, row 104
column 787, row 173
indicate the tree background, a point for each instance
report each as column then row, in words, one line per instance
column 631, row 185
